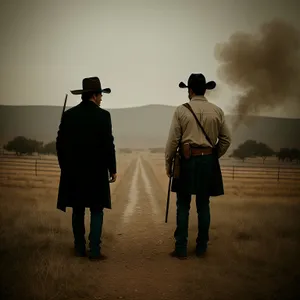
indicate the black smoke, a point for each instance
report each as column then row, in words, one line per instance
column 265, row 67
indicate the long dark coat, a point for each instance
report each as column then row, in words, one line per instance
column 86, row 154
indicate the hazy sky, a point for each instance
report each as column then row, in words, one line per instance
column 140, row 49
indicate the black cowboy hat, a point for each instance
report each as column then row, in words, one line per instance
column 91, row 84
column 199, row 81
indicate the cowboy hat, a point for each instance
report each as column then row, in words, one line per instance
column 91, row 84
column 199, row 81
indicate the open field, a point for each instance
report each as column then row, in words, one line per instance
column 254, row 237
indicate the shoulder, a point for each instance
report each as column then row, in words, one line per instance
column 216, row 109
column 104, row 112
column 70, row 112
column 179, row 110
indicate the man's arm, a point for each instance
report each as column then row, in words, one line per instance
column 224, row 138
column 111, row 148
column 173, row 140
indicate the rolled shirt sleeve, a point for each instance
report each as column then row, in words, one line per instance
column 224, row 138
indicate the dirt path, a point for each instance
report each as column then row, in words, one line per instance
column 137, row 241
column 137, row 267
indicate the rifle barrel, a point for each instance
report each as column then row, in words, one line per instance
column 64, row 106
column 168, row 200
column 169, row 191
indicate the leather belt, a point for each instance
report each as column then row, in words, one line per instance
column 201, row 151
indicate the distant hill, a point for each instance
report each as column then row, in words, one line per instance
column 141, row 127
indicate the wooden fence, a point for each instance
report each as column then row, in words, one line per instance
column 49, row 167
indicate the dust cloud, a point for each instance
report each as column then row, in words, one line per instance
column 265, row 67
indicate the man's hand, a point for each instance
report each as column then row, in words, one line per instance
column 113, row 177
column 168, row 172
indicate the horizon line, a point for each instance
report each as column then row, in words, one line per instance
column 153, row 104
column 140, row 106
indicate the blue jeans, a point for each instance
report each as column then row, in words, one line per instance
column 95, row 229
column 182, row 217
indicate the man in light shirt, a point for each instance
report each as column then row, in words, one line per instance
column 200, row 150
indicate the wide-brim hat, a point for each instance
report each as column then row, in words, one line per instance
column 91, row 84
column 198, row 80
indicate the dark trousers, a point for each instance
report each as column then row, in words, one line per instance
column 182, row 217
column 95, row 229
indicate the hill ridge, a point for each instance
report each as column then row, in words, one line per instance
column 138, row 107
column 41, row 122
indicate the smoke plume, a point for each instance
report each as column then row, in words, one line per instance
column 265, row 67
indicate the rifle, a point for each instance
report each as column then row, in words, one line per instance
column 64, row 107
column 169, row 191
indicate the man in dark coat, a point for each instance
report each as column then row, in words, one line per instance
column 200, row 172
column 86, row 154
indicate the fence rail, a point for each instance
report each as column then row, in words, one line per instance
column 50, row 167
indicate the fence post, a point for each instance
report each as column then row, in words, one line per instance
column 36, row 167
column 233, row 172
column 278, row 173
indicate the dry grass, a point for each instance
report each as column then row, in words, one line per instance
column 30, row 245
column 254, row 251
column 36, row 240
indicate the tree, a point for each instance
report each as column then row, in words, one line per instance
column 49, row 148
column 239, row 153
column 264, row 151
column 289, row 154
column 34, row 146
column 295, row 155
column 283, row 154
column 22, row 145
column 245, row 150
column 251, row 148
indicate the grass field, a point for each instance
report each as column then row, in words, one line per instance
column 254, row 237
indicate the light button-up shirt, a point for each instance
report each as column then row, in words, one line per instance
column 184, row 126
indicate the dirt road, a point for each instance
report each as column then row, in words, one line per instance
column 138, row 265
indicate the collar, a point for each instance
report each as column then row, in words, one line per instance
column 89, row 102
column 199, row 98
